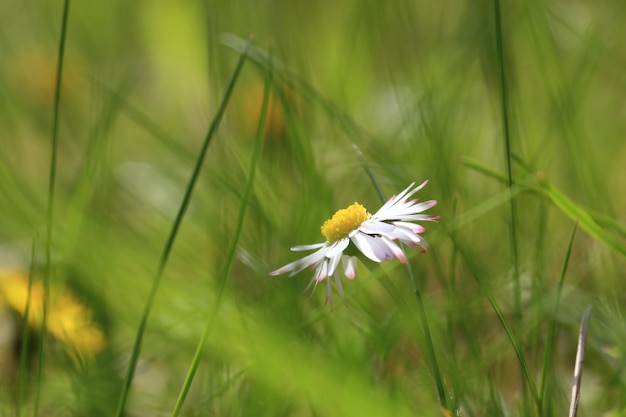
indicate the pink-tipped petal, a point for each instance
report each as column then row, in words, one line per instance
column 349, row 266
column 395, row 250
column 410, row 227
column 321, row 272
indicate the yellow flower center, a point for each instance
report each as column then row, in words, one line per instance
column 343, row 222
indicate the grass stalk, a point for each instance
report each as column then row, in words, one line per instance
column 232, row 247
column 505, row 324
column 23, row 366
column 418, row 296
column 171, row 238
column 547, row 359
column 506, row 130
column 50, row 210
column 589, row 220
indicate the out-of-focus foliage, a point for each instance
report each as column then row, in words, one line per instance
column 416, row 86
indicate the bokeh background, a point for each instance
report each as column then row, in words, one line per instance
column 416, row 85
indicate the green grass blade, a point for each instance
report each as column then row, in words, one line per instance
column 589, row 221
column 505, row 325
column 232, row 248
column 50, row 210
column 586, row 220
column 547, row 359
column 171, row 238
column 506, row 130
column 22, row 382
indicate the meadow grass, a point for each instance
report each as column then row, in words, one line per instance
column 143, row 233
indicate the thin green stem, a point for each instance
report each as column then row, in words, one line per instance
column 21, row 381
column 171, row 238
column 232, row 248
column 517, row 291
column 505, row 325
column 418, row 296
column 552, row 330
column 429, row 340
column 508, row 156
column 50, row 210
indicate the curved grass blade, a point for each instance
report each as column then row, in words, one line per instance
column 588, row 220
column 172, row 236
column 232, row 248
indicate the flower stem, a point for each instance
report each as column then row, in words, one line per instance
column 418, row 295
column 429, row 340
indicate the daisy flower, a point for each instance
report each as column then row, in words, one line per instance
column 376, row 236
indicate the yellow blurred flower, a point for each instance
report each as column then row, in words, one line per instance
column 68, row 321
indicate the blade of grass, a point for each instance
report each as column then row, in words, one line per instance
column 586, row 218
column 172, row 236
column 496, row 308
column 574, row 212
column 50, row 211
column 418, row 296
column 25, row 342
column 506, row 130
column 547, row 359
column 232, row 247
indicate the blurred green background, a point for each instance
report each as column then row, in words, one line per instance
column 416, row 86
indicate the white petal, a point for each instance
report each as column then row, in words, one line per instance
column 329, row 292
column 413, row 227
column 372, row 247
column 337, row 248
column 375, row 227
column 307, row 247
column 395, row 250
column 397, row 198
column 363, row 243
column 332, row 264
column 349, row 266
column 338, row 284
column 399, row 205
column 407, row 236
column 417, row 217
column 321, row 272
column 303, row 263
column 423, row 206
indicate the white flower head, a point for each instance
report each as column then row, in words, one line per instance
column 374, row 235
